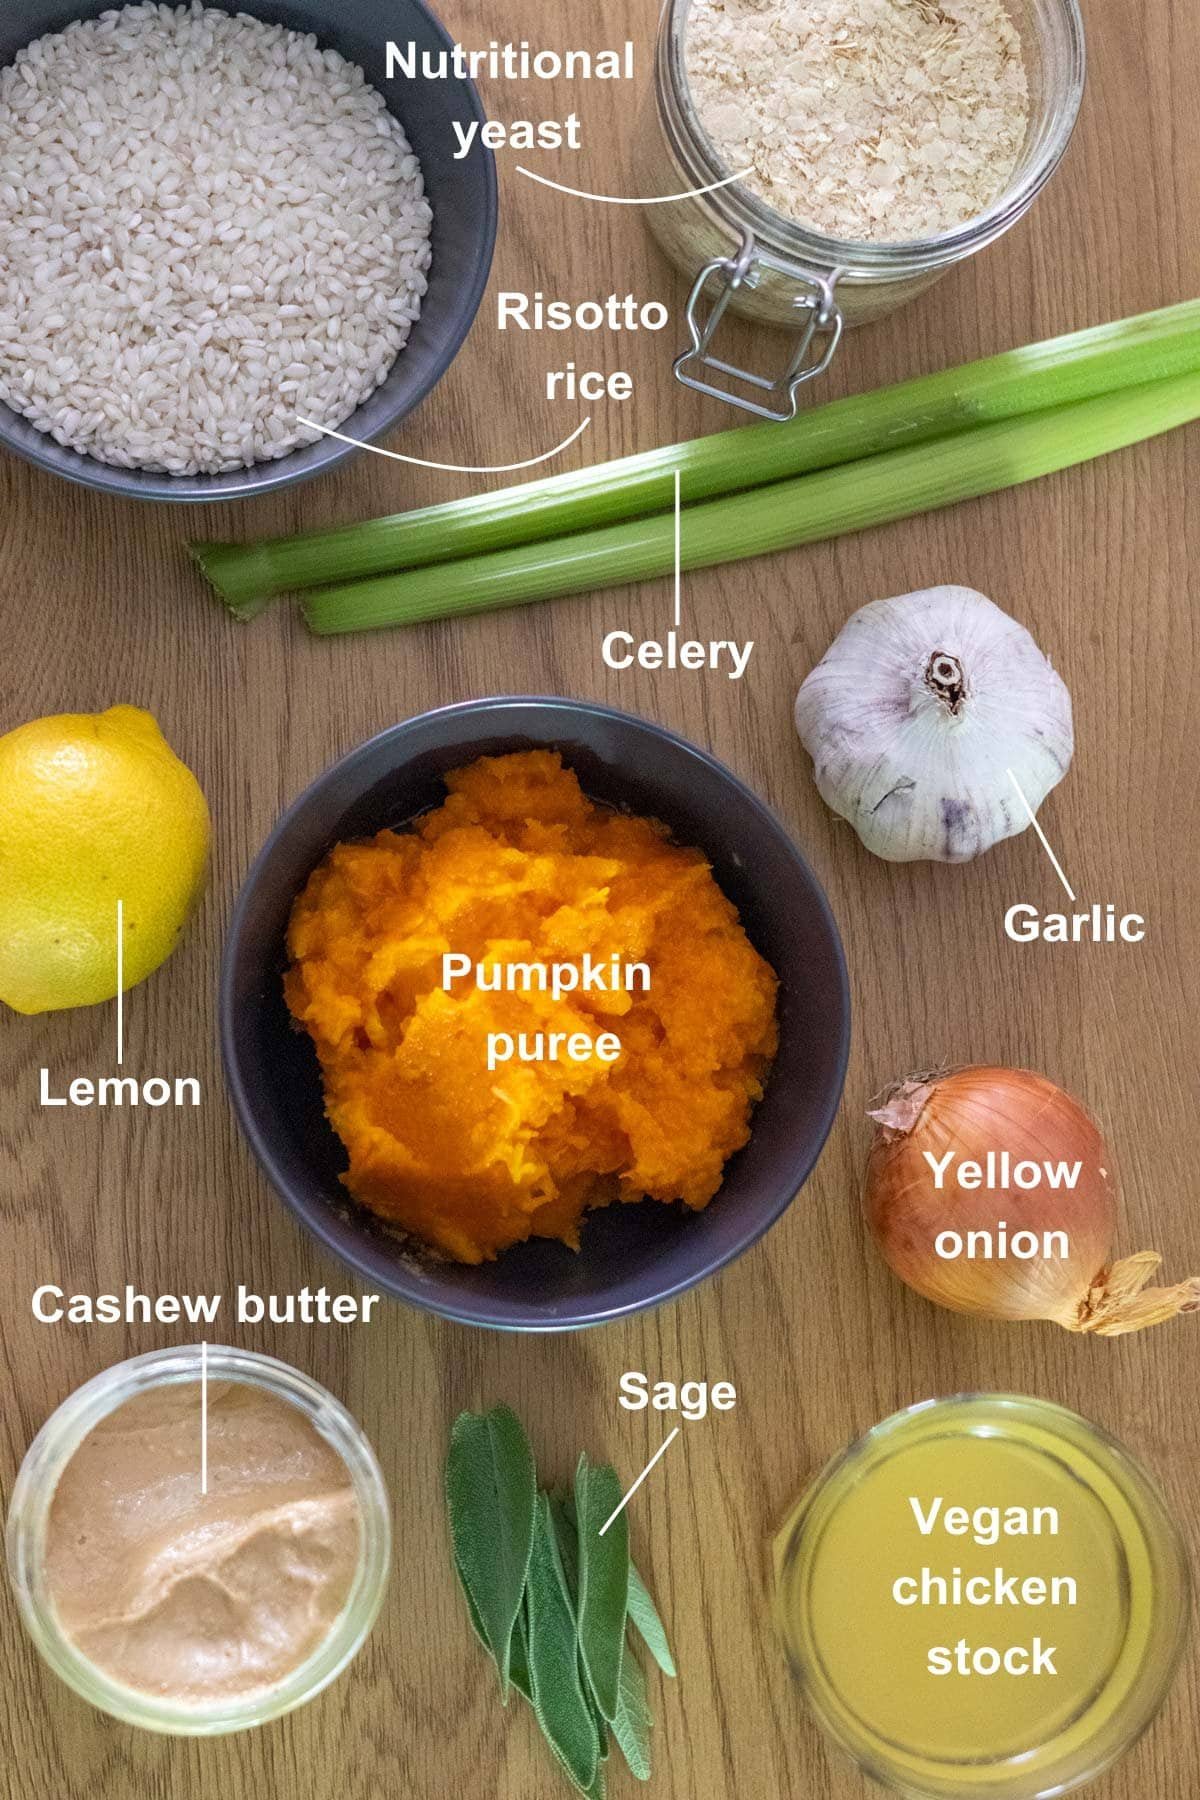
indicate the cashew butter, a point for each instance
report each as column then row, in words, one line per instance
column 194, row 1596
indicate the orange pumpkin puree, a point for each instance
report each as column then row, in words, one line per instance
column 519, row 866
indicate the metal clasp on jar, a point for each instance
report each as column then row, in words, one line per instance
column 822, row 329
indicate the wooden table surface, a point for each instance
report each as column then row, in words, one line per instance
column 100, row 606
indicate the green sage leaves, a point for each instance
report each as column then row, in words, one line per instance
column 559, row 1699
column 491, row 1488
column 632, row 1721
column 552, row 1596
column 603, row 1581
column 643, row 1616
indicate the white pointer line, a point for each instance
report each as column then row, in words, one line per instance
column 120, row 982
column 204, row 1418
column 530, row 462
column 624, row 200
column 1045, row 841
column 678, row 559
column 665, row 1445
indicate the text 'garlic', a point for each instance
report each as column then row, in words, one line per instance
column 920, row 714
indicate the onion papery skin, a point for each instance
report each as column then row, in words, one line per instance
column 972, row 1111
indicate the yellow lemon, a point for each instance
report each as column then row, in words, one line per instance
column 95, row 808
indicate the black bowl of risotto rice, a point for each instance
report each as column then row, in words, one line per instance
column 229, row 229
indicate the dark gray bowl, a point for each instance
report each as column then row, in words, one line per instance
column 633, row 1257
column 462, row 194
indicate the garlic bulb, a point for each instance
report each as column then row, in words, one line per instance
column 916, row 715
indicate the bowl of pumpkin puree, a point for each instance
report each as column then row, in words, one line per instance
column 533, row 1013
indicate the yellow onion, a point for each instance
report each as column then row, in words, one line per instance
column 970, row 1112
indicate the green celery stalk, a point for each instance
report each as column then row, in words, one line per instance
column 1128, row 352
column 891, row 485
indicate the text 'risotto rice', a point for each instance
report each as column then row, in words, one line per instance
column 208, row 225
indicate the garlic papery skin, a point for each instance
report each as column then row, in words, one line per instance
column 919, row 716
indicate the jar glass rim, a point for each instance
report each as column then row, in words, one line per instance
column 55, row 1445
column 864, row 258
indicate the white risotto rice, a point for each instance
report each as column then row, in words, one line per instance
column 208, row 225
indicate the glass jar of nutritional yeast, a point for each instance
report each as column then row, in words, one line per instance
column 193, row 1594
column 743, row 255
column 984, row 1596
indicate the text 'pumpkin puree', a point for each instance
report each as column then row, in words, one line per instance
column 520, row 867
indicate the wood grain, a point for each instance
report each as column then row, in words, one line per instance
column 100, row 605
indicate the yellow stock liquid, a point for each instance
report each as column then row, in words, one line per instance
column 983, row 1596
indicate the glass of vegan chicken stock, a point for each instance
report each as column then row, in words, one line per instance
column 985, row 1595
column 744, row 255
column 322, row 1426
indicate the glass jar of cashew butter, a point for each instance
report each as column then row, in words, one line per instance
column 199, row 1540
column 813, row 164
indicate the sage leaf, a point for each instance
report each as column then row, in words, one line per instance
column 631, row 1726
column 643, row 1616
column 476, row 1621
column 596, row 1791
column 603, row 1580
column 518, row 1666
column 563, row 1710
column 562, row 1516
column 491, row 1490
